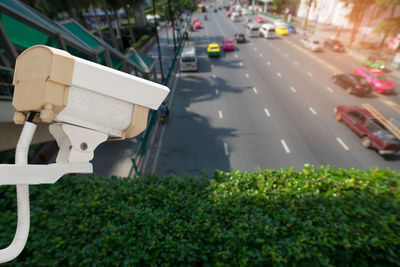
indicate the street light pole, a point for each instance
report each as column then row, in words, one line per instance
column 172, row 21
column 158, row 42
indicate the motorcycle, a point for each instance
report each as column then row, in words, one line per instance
column 205, row 17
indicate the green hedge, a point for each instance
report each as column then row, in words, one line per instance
column 141, row 42
column 309, row 217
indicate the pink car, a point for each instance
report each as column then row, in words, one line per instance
column 228, row 14
column 228, row 45
column 197, row 25
column 259, row 20
column 377, row 79
column 195, row 20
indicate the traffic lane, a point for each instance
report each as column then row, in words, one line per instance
column 368, row 162
column 325, row 108
column 191, row 144
column 290, row 121
column 323, row 76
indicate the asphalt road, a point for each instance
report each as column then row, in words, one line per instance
column 269, row 104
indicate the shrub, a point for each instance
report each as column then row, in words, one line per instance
column 141, row 42
column 310, row 217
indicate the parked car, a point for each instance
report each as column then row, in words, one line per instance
column 291, row 29
column 368, row 45
column 372, row 132
column 334, row 44
column 377, row 79
column 353, row 83
column 311, row 44
column 213, row 50
column 375, row 62
column 281, row 30
column 240, row 38
column 227, row 45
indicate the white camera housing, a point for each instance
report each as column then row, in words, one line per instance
column 67, row 89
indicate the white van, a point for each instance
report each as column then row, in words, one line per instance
column 235, row 17
column 189, row 59
column 268, row 30
column 253, row 30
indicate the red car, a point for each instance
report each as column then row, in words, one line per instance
column 377, row 79
column 372, row 132
column 259, row 19
column 197, row 25
column 228, row 14
column 228, row 45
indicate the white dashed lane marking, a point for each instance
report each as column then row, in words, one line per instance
column 255, row 90
column 220, row 114
column 296, row 63
column 309, row 74
column 293, row 89
column 240, row 64
column 246, row 75
column 329, row 89
column 279, row 74
column 267, row 112
column 226, row 149
column 312, row 110
column 268, row 63
column 214, row 76
column 261, row 55
column 236, row 55
column 216, row 91
column 342, row 143
column 285, row 146
column 286, row 55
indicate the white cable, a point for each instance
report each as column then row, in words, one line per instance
column 22, row 232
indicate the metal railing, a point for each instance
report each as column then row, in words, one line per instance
column 138, row 159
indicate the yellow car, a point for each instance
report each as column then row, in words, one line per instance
column 281, row 30
column 213, row 50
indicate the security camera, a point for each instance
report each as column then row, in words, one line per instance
column 67, row 89
column 85, row 104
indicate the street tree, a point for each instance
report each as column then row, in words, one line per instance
column 388, row 26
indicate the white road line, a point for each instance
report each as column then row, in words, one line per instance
column 255, row 48
column 255, row 90
column 226, row 149
column 214, row 76
column 286, row 55
column 312, row 110
column 277, row 49
column 220, row 114
column 240, row 64
column 296, row 63
column 236, row 55
column 216, row 91
column 270, row 43
column 250, row 44
column 246, row 75
column 285, row 146
column 267, row 112
column 329, row 89
column 261, row 55
column 279, row 75
column 309, row 74
column 342, row 143
column 269, row 63
column 292, row 88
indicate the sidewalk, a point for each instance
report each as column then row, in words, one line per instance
column 113, row 158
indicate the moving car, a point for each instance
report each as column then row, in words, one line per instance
column 311, row 44
column 240, row 38
column 246, row 21
column 268, row 30
column 372, row 132
column 368, row 45
column 334, row 44
column 377, row 79
column 291, row 29
column 281, row 30
column 279, row 22
column 235, row 17
column 195, row 20
column 253, row 30
column 227, row 45
column 213, row 50
column 188, row 59
column 228, row 14
column 375, row 62
column 259, row 19
column 198, row 25
column 353, row 83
